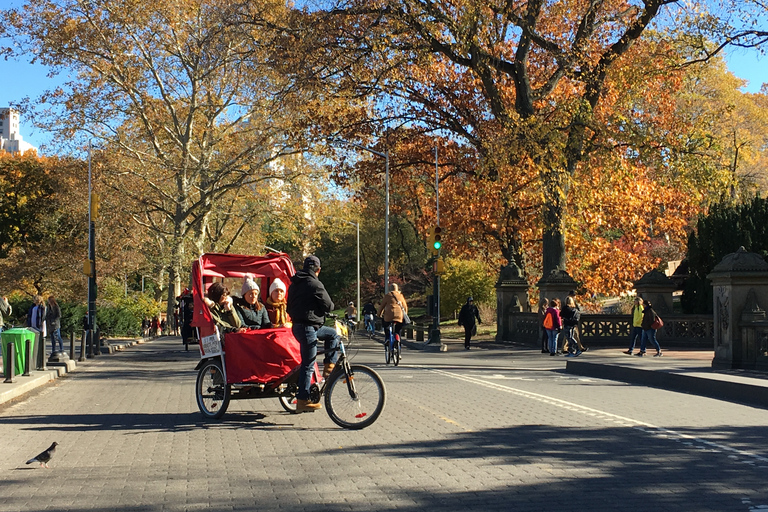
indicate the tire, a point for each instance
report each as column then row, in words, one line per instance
column 387, row 352
column 365, row 408
column 213, row 393
column 396, row 354
column 288, row 402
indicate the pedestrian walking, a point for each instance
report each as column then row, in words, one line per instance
column 467, row 316
column 5, row 310
column 553, row 325
column 637, row 325
column 308, row 303
column 570, row 318
column 53, row 324
column 649, row 332
column 577, row 329
column 36, row 317
column 543, row 305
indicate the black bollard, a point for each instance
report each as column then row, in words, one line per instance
column 27, row 357
column 72, row 345
column 8, row 363
column 82, row 347
column 90, row 344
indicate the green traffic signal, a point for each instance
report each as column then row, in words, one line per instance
column 437, row 244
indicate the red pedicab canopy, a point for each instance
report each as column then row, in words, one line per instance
column 255, row 356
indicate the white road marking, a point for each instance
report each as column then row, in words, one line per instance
column 640, row 425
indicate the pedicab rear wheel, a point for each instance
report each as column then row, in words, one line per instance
column 213, row 392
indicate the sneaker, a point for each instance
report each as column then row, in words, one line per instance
column 578, row 353
column 585, row 349
column 327, row 369
column 570, row 354
column 628, row 352
column 552, row 354
column 544, row 351
column 307, row 406
column 640, row 354
column 657, row 354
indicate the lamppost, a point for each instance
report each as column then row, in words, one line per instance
column 385, row 156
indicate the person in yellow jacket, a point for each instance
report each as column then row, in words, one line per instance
column 637, row 320
column 392, row 308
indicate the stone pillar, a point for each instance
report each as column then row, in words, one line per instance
column 740, row 283
column 511, row 297
column 556, row 285
column 656, row 288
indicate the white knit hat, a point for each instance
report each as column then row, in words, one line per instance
column 248, row 285
column 277, row 284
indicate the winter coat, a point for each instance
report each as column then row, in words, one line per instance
column 391, row 311
column 53, row 317
column 308, row 302
column 250, row 316
column 649, row 315
column 556, row 323
column 226, row 319
column 468, row 314
column 570, row 316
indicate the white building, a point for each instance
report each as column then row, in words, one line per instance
column 10, row 138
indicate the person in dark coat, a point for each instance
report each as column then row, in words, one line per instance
column 252, row 312
column 570, row 316
column 308, row 303
column 467, row 317
column 649, row 333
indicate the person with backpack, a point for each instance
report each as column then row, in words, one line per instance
column 553, row 325
column 570, row 317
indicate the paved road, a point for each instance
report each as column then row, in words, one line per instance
column 496, row 429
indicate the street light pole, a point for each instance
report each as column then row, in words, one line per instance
column 385, row 156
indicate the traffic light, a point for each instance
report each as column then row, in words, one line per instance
column 88, row 268
column 430, row 239
column 437, row 244
column 439, row 267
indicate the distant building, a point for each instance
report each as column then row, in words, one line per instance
column 10, row 138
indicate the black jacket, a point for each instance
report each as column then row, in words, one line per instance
column 308, row 302
column 570, row 316
column 468, row 314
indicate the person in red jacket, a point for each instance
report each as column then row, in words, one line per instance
column 553, row 325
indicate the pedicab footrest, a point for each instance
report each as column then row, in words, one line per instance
column 261, row 356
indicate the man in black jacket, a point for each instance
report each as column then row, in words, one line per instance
column 308, row 303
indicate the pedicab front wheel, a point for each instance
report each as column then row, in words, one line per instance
column 213, row 392
column 355, row 400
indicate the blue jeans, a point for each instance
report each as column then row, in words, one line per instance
column 307, row 337
column 552, row 337
column 573, row 346
column 649, row 334
column 637, row 332
column 56, row 335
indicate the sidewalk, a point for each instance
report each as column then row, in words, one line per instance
column 686, row 371
column 37, row 379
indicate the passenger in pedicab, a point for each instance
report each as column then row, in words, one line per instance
column 253, row 314
column 276, row 304
column 224, row 315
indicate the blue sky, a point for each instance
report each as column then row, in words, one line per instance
column 21, row 79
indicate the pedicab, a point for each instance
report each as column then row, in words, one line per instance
column 265, row 363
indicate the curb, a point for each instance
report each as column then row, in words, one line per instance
column 700, row 381
column 22, row 385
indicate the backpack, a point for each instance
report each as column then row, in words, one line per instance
column 549, row 323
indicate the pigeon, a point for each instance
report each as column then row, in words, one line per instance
column 44, row 457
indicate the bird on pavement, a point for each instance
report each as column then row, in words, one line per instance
column 45, row 456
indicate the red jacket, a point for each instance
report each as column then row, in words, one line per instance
column 556, row 323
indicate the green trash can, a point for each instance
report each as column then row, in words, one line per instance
column 19, row 336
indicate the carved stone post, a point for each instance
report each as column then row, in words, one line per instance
column 511, row 297
column 740, row 283
column 556, row 285
column 656, row 288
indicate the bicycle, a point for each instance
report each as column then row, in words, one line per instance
column 369, row 325
column 392, row 346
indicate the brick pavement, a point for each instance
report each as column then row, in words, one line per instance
column 478, row 430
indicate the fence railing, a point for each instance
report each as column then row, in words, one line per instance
column 679, row 330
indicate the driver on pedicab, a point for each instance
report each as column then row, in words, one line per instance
column 308, row 303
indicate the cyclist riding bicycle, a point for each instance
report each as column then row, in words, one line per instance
column 350, row 315
column 369, row 313
column 392, row 308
